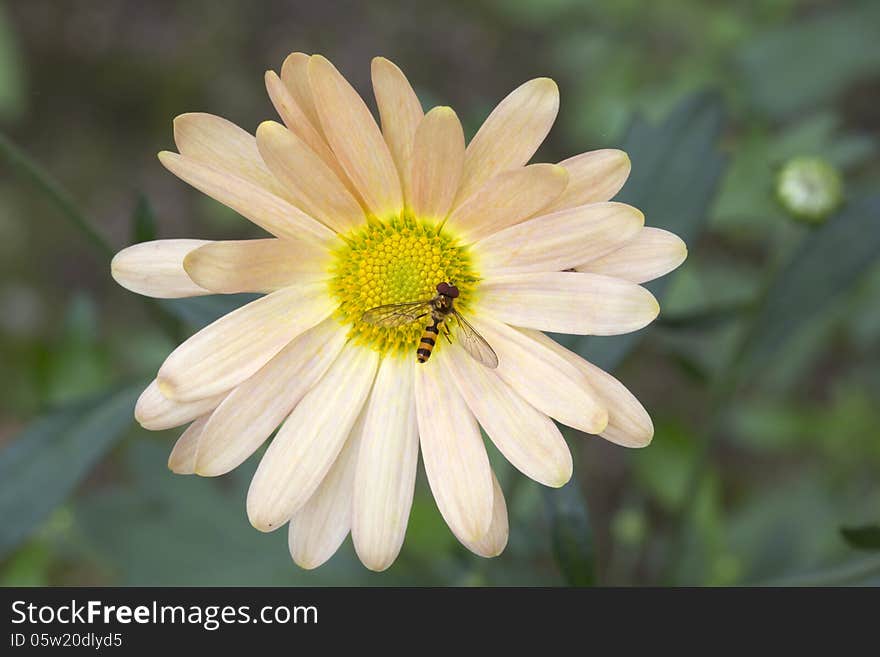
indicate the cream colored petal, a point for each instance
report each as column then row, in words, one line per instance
column 386, row 469
column 252, row 411
column 265, row 209
column 437, row 159
column 300, row 125
column 454, row 455
column 508, row 199
column 511, row 134
column 313, row 186
column 319, row 527
column 628, row 422
column 295, row 75
column 569, row 302
column 156, row 412
column 560, row 240
column 155, row 269
column 256, row 265
column 355, row 139
column 309, row 441
column 495, row 540
column 182, row 457
column 653, row 253
column 236, row 346
column 219, row 143
column 544, row 379
column 525, row 436
column 592, row 178
column 399, row 110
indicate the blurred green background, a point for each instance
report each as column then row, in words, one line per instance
column 761, row 374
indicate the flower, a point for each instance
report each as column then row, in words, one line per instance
column 362, row 217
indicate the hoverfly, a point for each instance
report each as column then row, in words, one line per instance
column 440, row 308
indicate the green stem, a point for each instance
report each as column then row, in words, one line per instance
column 683, row 515
column 726, row 384
column 25, row 165
column 20, row 161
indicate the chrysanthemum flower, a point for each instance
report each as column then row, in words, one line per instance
column 360, row 217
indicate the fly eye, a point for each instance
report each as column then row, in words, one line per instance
column 453, row 292
column 443, row 288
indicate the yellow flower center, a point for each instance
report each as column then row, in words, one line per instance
column 397, row 261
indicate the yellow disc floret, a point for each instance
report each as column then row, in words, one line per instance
column 396, row 261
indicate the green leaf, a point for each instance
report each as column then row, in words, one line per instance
column 143, row 221
column 45, row 462
column 663, row 471
column 803, row 65
column 703, row 319
column 161, row 529
column 826, row 264
column 198, row 312
column 77, row 364
column 571, row 534
column 866, row 537
column 676, row 171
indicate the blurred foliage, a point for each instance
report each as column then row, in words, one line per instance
column 864, row 538
column 143, row 227
column 573, row 544
column 45, row 463
column 679, row 168
column 12, row 92
column 761, row 374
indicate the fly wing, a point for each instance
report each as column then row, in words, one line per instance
column 474, row 343
column 397, row 314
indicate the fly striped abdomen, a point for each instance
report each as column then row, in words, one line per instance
column 427, row 342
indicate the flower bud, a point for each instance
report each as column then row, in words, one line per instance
column 809, row 188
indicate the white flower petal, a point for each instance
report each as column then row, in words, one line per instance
column 219, row 143
column 309, row 441
column 454, row 455
column 544, row 379
column 628, row 422
column 437, row 160
column 254, row 409
column 312, row 185
column 182, row 457
column 592, row 178
column 319, row 527
column 155, row 412
column 355, row 139
column 569, row 302
column 511, row 134
column 295, row 75
column 386, row 469
column 525, row 436
column 560, row 240
column 251, row 201
column 236, row 346
column 299, row 124
column 256, row 265
column 399, row 110
column 493, row 542
column 507, row 199
column 155, row 269
column 653, row 253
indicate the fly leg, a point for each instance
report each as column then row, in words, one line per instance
column 446, row 333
